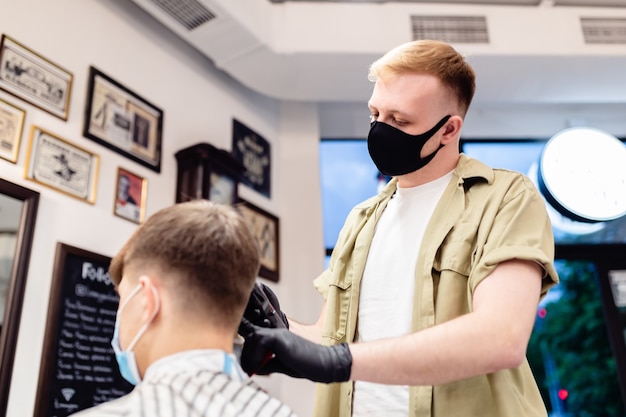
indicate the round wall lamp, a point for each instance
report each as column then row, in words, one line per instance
column 582, row 175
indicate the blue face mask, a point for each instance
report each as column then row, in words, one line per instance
column 126, row 358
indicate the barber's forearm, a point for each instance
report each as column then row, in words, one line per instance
column 440, row 354
column 310, row 332
column 491, row 338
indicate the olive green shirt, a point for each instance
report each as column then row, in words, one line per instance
column 485, row 216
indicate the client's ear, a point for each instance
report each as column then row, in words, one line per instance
column 151, row 301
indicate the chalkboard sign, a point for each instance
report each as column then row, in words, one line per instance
column 78, row 367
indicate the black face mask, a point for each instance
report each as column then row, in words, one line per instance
column 397, row 153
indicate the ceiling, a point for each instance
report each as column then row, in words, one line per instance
column 528, row 51
column 585, row 3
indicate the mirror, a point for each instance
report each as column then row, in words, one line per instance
column 18, row 211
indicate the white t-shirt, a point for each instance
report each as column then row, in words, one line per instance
column 387, row 287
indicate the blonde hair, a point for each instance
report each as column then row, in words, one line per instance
column 434, row 58
column 206, row 251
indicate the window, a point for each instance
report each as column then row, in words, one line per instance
column 348, row 176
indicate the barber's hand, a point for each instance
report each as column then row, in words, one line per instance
column 263, row 308
column 278, row 350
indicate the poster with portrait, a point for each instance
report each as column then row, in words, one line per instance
column 130, row 196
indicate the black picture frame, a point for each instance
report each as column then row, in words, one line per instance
column 122, row 121
column 253, row 152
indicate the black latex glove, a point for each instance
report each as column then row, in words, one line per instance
column 263, row 308
column 266, row 351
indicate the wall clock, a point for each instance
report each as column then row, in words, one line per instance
column 206, row 172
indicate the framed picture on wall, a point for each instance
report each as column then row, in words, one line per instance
column 130, row 196
column 34, row 79
column 264, row 226
column 122, row 121
column 61, row 165
column 253, row 152
column 11, row 126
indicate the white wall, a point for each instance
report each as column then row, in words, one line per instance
column 301, row 226
column 199, row 104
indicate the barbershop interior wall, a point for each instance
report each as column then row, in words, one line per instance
column 199, row 103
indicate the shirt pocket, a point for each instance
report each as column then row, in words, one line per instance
column 455, row 256
column 337, row 311
column 451, row 271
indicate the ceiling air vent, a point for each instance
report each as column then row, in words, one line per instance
column 189, row 13
column 604, row 30
column 453, row 29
